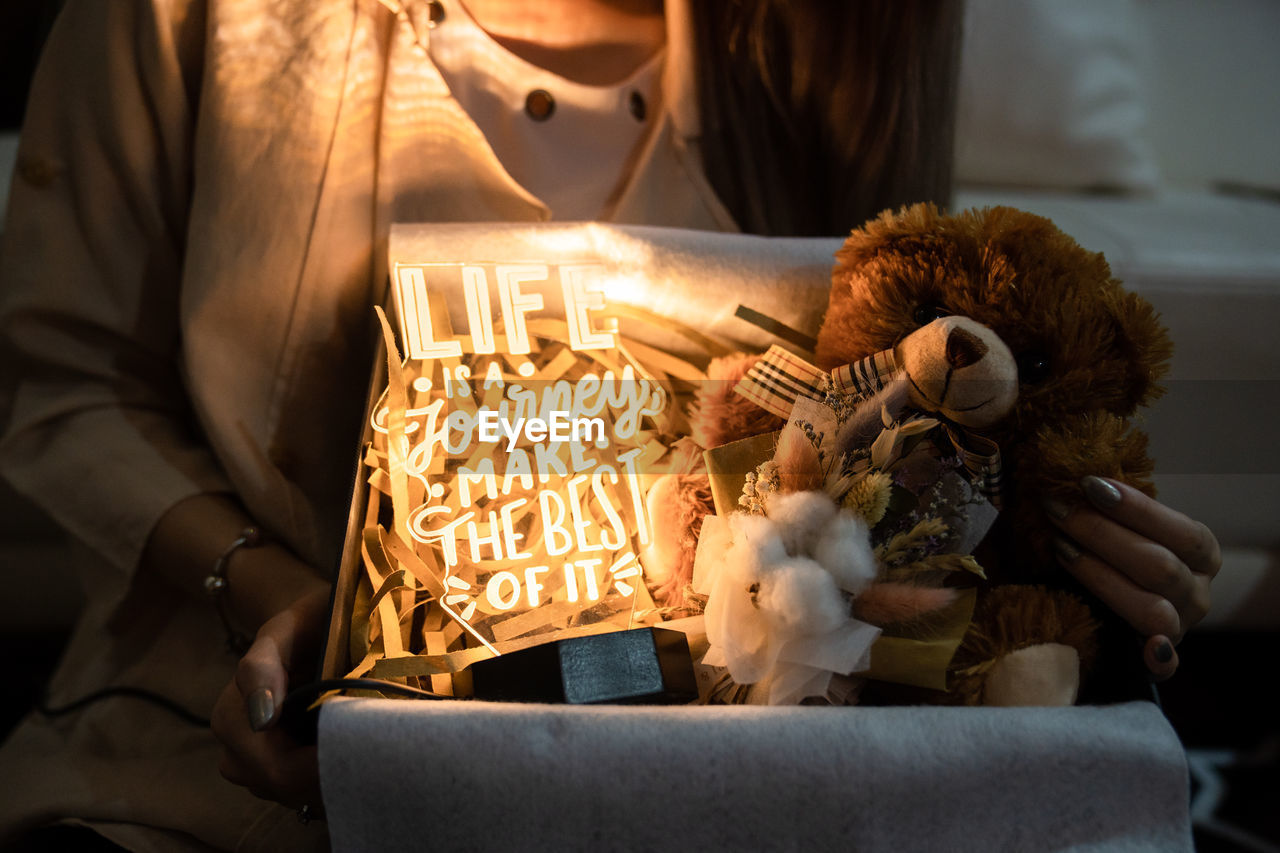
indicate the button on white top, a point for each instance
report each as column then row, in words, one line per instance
column 567, row 143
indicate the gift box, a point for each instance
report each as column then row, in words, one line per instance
column 501, row 541
column 419, row 607
column 470, row 536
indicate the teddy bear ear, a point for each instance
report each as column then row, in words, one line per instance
column 1146, row 346
column 849, row 331
column 887, row 229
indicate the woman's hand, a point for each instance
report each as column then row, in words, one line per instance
column 1148, row 563
column 271, row 593
column 255, row 752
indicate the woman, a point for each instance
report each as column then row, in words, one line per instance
column 196, row 234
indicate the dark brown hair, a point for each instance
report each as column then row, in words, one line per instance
column 817, row 115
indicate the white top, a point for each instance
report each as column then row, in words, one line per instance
column 590, row 132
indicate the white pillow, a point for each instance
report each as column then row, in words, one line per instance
column 1051, row 95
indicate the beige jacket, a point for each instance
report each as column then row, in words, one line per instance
column 196, row 235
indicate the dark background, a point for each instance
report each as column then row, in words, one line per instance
column 23, row 27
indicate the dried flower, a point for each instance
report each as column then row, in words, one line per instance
column 869, row 496
column 761, row 483
column 843, row 404
column 924, row 537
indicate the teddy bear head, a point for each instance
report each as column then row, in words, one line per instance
column 1005, row 325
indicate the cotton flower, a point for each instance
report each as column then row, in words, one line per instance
column 757, row 547
column 844, row 549
column 777, row 612
column 800, row 516
column 800, row 595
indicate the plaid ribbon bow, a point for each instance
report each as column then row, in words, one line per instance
column 778, row 379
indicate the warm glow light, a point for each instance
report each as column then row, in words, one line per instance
column 521, row 443
column 415, row 313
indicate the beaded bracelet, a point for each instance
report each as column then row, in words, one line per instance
column 216, row 585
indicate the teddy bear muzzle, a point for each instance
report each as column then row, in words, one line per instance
column 961, row 370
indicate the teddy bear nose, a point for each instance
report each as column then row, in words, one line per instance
column 964, row 348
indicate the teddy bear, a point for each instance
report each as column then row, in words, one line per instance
column 1000, row 327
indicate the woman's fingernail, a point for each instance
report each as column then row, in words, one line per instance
column 1100, row 493
column 1067, row 551
column 1056, row 508
column 1164, row 652
column 261, row 706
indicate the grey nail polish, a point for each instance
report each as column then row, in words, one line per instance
column 1056, row 508
column 261, row 706
column 1100, row 493
column 1065, row 549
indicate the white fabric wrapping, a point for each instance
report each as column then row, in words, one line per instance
column 472, row 775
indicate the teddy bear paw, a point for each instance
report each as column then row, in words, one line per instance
column 1047, row 674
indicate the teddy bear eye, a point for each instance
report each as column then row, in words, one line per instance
column 1033, row 367
column 926, row 314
